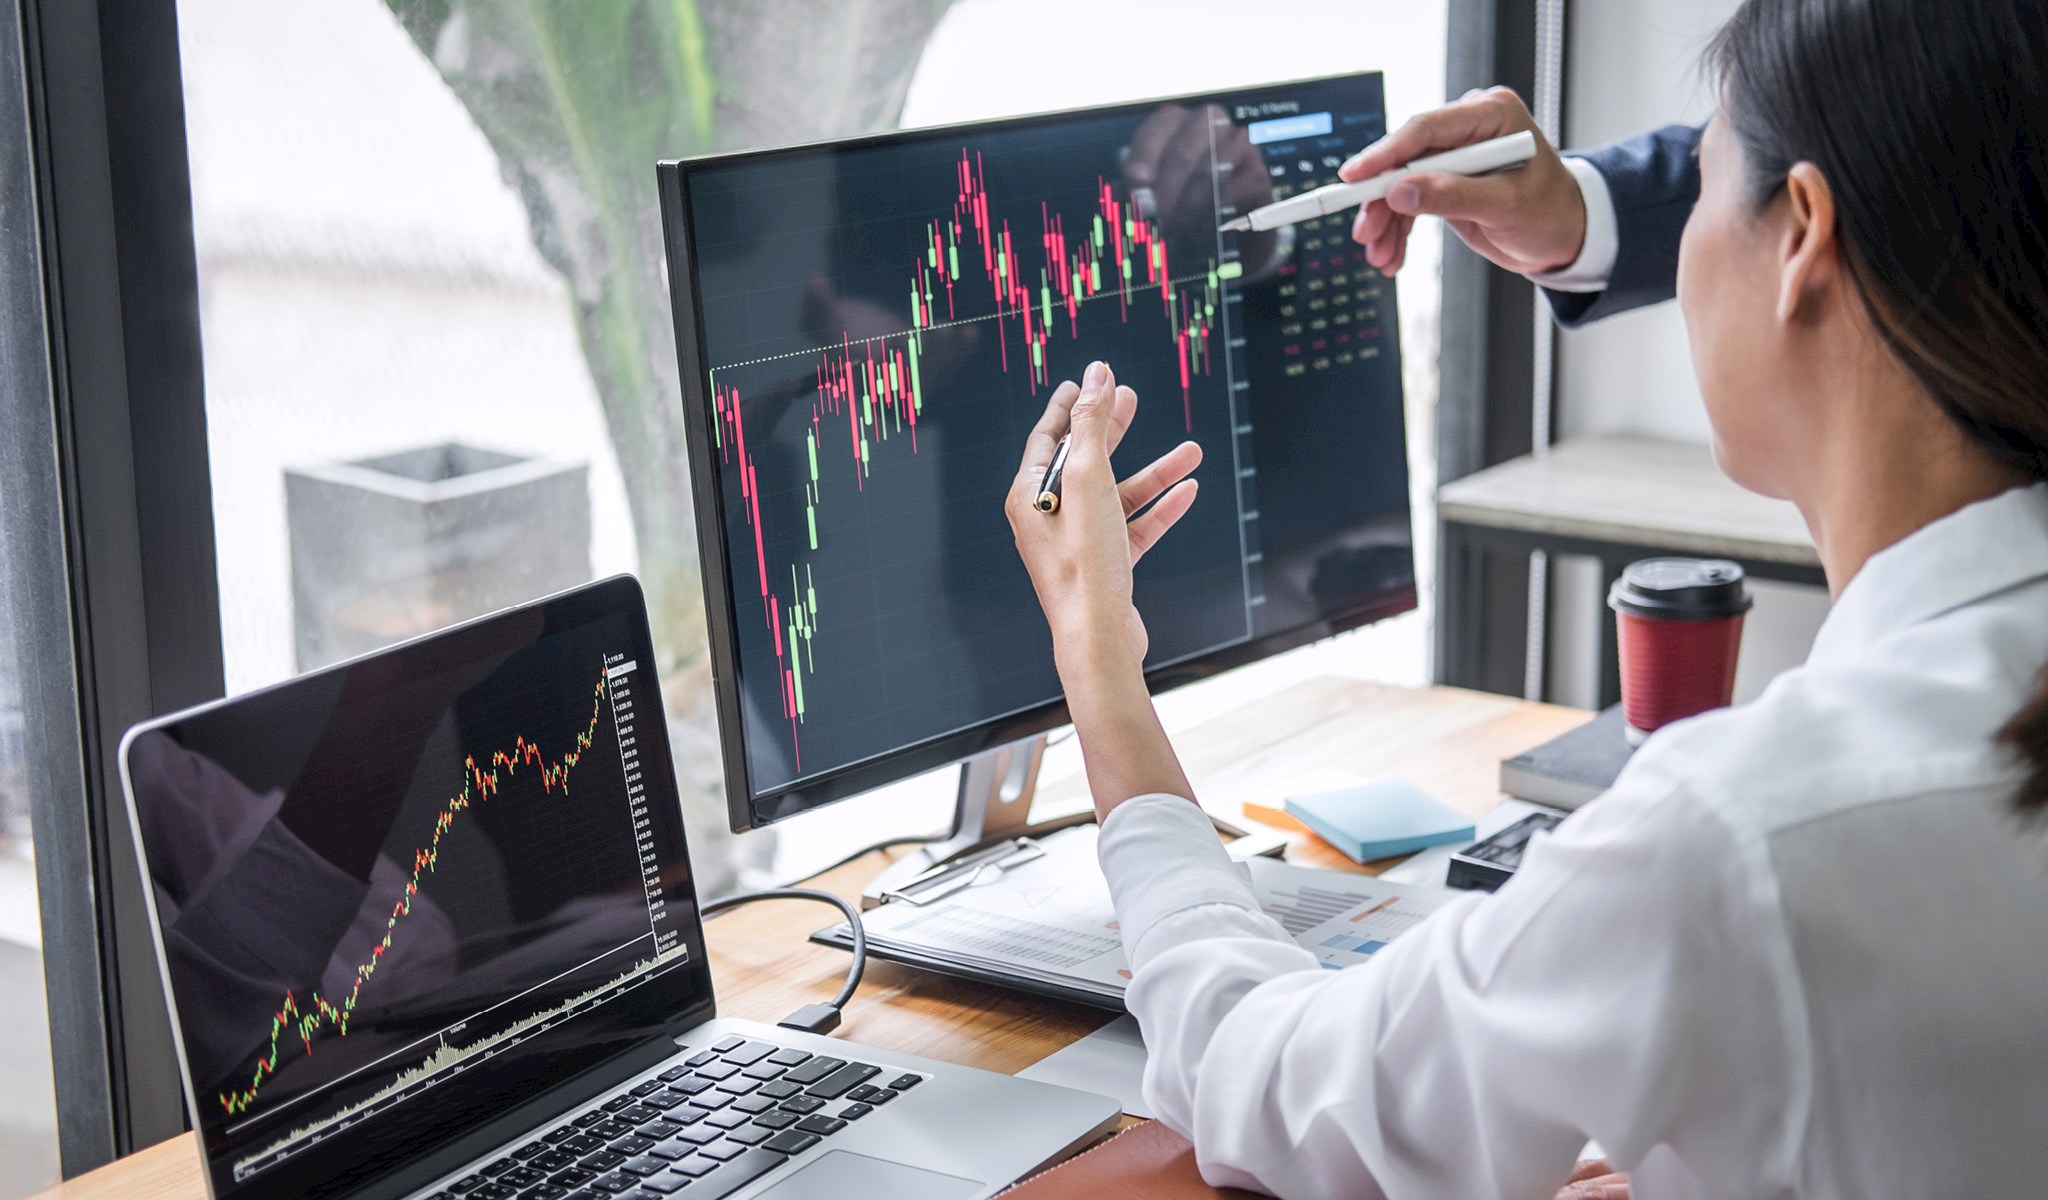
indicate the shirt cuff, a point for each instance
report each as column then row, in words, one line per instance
column 1594, row 266
column 1161, row 856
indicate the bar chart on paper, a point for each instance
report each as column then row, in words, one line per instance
column 1341, row 920
column 1351, row 939
column 1302, row 908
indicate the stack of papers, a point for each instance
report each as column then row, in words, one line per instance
column 1048, row 922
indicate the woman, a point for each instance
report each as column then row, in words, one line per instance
column 1801, row 949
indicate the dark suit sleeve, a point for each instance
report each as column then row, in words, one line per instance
column 1654, row 179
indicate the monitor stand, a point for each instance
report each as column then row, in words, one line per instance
column 994, row 805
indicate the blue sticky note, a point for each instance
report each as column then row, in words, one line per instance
column 1380, row 820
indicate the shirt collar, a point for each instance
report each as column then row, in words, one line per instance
column 1968, row 555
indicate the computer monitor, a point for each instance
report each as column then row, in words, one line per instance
column 867, row 330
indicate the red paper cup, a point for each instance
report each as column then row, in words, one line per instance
column 1679, row 622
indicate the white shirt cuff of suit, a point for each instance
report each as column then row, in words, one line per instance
column 1590, row 271
column 1162, row 857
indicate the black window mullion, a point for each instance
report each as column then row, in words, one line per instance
column 38, row 605
column 106, row 110
column 1487, row 369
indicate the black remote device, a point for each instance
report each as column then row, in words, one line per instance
column 1486, row 865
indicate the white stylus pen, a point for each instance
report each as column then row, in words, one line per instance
column 1509, row 151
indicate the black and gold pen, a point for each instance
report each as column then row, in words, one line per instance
column 1049, row 489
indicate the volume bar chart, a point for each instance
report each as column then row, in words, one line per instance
column 449, row 1057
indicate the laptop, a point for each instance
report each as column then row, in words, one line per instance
column 427, row 929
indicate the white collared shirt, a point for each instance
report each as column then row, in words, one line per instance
column 1590, row 271
column 1800, row 949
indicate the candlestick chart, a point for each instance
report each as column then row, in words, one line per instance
column 867, row 396
column 299, row 1023
column 873, row 328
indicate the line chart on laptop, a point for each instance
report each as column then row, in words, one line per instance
column 537, row 775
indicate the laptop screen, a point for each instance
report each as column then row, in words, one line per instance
column 398, row 897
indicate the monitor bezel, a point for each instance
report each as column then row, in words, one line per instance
column 744, row 809
column 611, row 596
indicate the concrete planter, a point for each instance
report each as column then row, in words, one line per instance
column 387, row 548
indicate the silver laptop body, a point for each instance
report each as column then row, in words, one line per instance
column 427, row 928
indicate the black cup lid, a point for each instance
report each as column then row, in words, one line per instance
column 1686, row 589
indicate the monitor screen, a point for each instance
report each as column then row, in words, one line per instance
column 402, row 896
column 867, row 331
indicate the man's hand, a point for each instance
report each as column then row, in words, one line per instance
column 1529, row 221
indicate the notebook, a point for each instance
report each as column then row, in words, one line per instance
column 1046, row 926
column 1380, row 820
column 1572, row 768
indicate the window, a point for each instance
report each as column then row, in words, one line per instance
column 429, row 261
column 28, row 1107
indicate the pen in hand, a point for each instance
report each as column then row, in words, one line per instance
column 1049, row 491
column 1498, row 154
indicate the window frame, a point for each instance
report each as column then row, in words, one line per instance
column 1495, row 369
column 130, row 625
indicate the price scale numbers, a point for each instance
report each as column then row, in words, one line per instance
column 1329, row 294
column 619, row 685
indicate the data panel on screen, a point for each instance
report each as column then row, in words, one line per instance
column 387, row 893
column 879, row 325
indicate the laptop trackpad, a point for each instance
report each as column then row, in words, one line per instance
column 842, row 1173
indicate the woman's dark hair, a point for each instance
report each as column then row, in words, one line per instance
column 1930, row 124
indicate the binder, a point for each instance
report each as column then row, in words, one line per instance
column 1046, row 926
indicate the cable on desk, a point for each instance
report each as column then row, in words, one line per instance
column 811, row 1018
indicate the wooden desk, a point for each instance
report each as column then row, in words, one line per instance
column 1447, row 741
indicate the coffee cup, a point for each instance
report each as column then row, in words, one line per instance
column 1679, row 628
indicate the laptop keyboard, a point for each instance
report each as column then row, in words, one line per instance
column 705, row 1129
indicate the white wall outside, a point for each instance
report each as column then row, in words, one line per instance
column 1632, row 65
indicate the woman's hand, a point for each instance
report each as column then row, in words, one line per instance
column 1080, row 559
column 1080, row 556
column 1529, row 221
column 1595, row 1179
